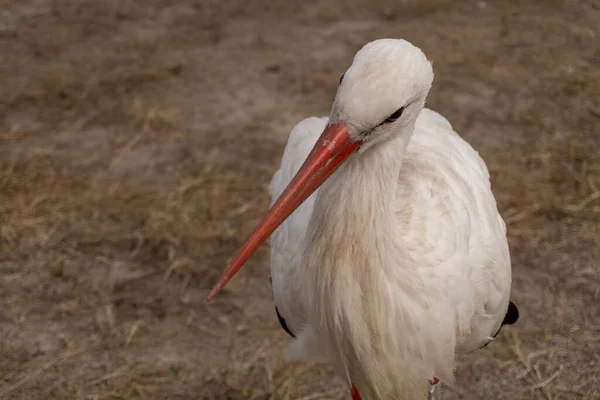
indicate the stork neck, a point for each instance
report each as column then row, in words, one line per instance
column 354, row 213
column 352, row 250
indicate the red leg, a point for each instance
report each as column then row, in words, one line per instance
column 355, row 394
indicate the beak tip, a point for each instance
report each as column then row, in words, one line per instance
column 214, row 291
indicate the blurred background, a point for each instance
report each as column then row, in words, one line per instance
column 137, row 139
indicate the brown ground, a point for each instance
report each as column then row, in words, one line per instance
column 136, row 142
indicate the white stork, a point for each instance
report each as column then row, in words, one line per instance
column 388, row 254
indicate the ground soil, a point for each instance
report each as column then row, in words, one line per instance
column 136, row 143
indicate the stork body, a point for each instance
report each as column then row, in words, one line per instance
column 389, row 254
column 447, row 286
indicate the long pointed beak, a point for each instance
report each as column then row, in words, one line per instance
column 332, row 148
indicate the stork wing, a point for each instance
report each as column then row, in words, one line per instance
column 287, row 242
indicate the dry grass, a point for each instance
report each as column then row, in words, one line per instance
column 135, row 149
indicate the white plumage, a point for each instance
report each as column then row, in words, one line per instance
column 399, row 259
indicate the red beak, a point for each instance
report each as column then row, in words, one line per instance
column 332, row 148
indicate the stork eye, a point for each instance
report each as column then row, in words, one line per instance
column 342, row 78
column 397, row 114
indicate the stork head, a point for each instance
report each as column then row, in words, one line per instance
column 379, row 97
column 382, row 92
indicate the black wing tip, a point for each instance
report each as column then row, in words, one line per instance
column 512, row 314
column 283, row 323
